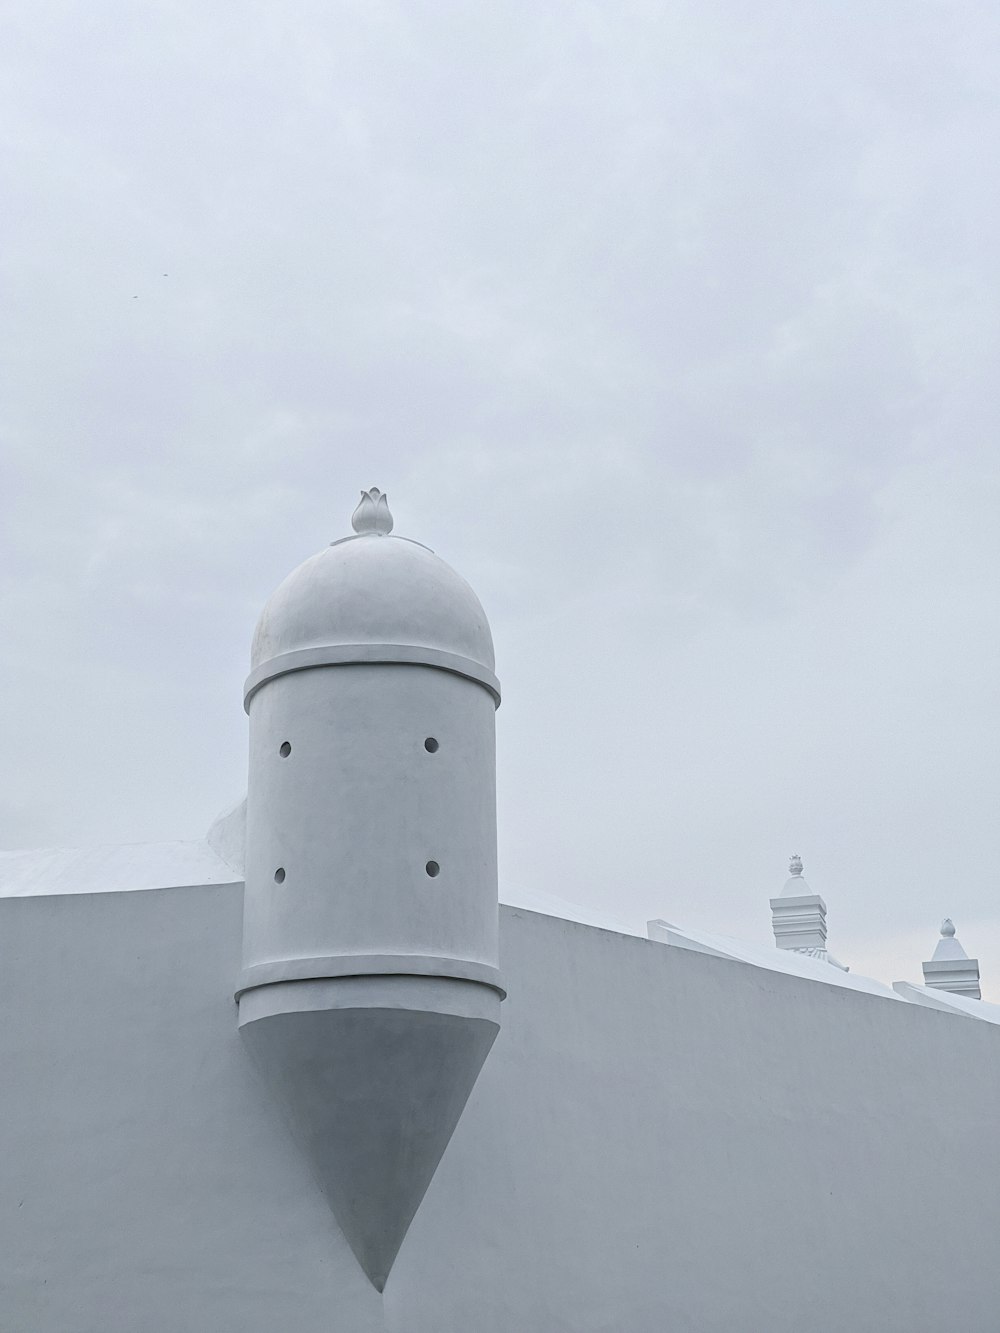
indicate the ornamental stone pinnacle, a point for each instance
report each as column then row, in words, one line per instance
column 950, row 967
column 798, row 917
column 372, row 514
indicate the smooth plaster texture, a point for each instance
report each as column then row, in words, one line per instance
column 374, row 590
column 660, row 1140
column 950, row 968
column 372, row 1079
column 370, row 988
column 145, row 1183
column 935, row 998
column 793, row 963
column 359, row 807
column 110, row 869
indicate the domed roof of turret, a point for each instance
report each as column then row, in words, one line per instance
column 373, row 588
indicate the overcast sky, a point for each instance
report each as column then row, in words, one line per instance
column 672, row 326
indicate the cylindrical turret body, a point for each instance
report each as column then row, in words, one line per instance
column 371, row 877
column 371, row 818
column 371, row 809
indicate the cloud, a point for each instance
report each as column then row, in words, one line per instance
column 673, row 330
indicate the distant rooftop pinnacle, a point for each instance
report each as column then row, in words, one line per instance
column 796, row 886
column 950, row 967
column 372, row 514
column 948, row 946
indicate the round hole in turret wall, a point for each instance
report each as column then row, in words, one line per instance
column 432, row 868
column 279, row 875
column 430, row 745
column 284, row 749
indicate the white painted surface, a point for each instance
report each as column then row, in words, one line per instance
column 227, row 836
column 374, row 590
column 118, row 869
column 359, row 807
column 798, row 918
column 772, row 960
column 795, row 885
column 371, row 808
column 550, row 904
column 660, row 1139
column 220, row 859
column 370, row 990
column 799, row 922
column 948, row 947
column 934, row 998
column 950, row 968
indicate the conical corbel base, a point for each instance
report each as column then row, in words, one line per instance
column 373, row 1074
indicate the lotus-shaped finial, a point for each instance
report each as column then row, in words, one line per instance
column 795, row 864
column 372, row 514
column 947, row 928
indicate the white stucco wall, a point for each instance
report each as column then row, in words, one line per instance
column 660, row 1140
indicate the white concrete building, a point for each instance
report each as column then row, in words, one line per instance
column 307, row 1075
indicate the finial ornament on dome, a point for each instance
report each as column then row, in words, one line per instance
column 947, row 928
column 795, row 864
column 372, row 514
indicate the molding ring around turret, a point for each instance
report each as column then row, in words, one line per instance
column 368, row 965
column 368, row 654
